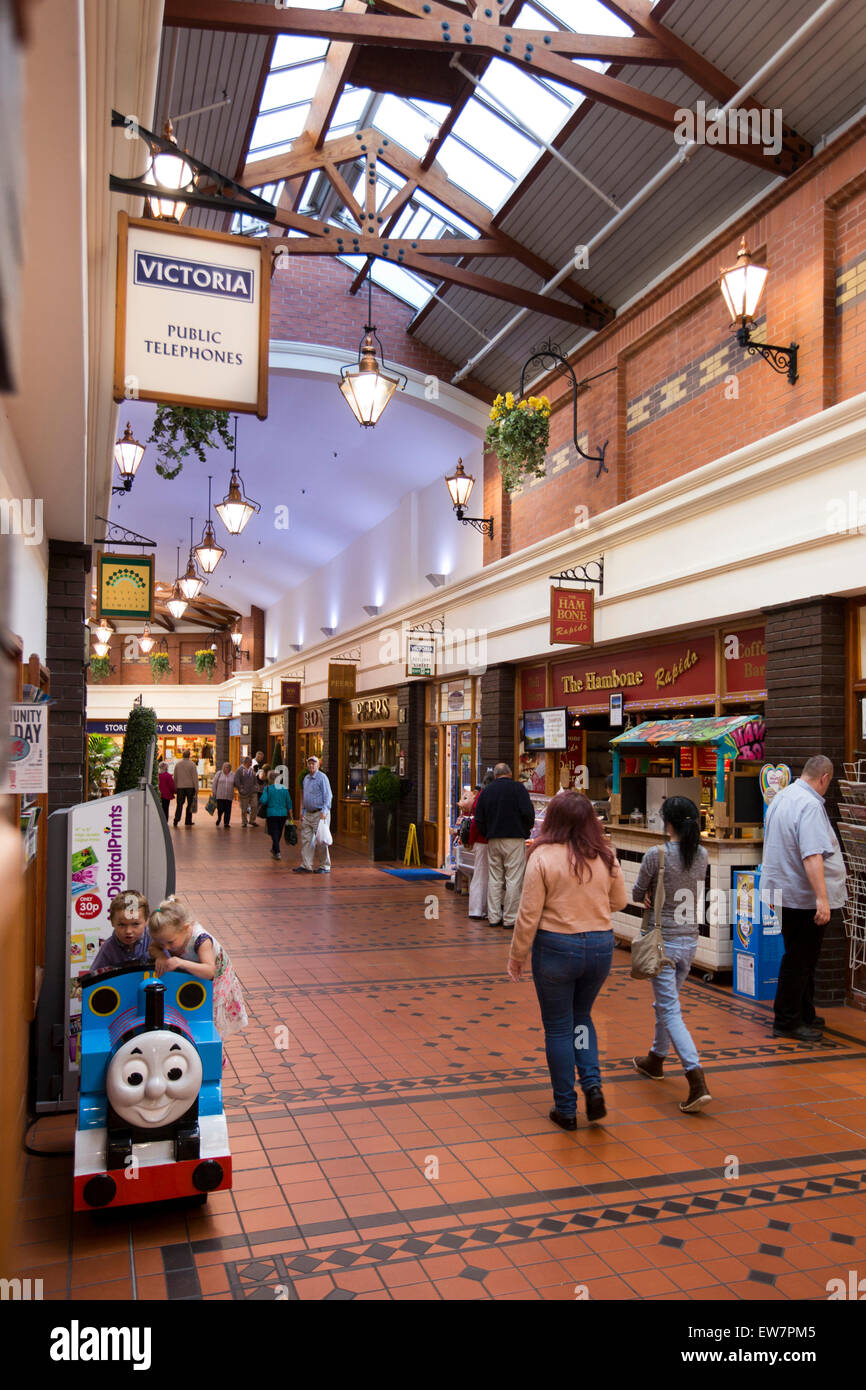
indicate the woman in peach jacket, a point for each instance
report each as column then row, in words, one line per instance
column 573, row 884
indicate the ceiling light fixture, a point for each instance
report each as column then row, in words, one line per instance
column 460, row 485
column 295, row 646
column 367, row 387
column 128, row 454
column 177, row 604
column 145, row 641
column 192, row 582
column 207, row 552
column 328, row 631
column 742, row 287
column 235, row 510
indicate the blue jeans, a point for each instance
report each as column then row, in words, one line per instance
column 666, row 992
column 568, row 972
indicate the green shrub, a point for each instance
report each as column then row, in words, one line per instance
column 141, row 727
column 384, row 786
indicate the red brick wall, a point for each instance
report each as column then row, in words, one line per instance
column 310, row 303
column 810, row 231
column 183, row 645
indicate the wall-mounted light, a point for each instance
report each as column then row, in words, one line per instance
column 742, row 287
column 169, row 171
column 372, row 609
column 436, row 580
column 460, row 485
column 367, row 387
column 128, row 454
column 237, row 638
column 295, row 646
column 328, row 631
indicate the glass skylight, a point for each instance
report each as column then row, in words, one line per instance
column 246, row 224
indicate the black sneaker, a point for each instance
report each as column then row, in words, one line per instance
column 564, row 1121
column 595, row 1106
column 301, row 870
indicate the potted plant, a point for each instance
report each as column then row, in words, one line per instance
column 205, row 662
column 383, row 793
column 100, row 668
column 103, row 755
column 141, row 729
column 179, row 430
column 519, row 435
column 160, row 665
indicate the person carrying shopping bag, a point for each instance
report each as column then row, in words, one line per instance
column 572, row 885
column 683, row 877
column 316, row 806
column 275, row 805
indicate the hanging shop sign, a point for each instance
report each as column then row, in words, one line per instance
column 341, row 681
column 675, row 675
column 744, row 663
column 26, row 771
column 192, row 317
column 259, row 700
column 420, row 654
column 571, row 616
column 290, row 692
column 124, row 586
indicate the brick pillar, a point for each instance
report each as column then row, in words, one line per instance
column 68, row 606
column 497, row 717
column 806, row 715
column 497, row 504
column 259, row 735
column 290, row 750
column 410, row 742
column 221, row 743
column 331, row 748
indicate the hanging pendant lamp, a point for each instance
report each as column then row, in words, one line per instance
column 145, row 641
column 207, row 552
column 235, row 510
column 192, row 582
column 177, row 603
column 367, row 387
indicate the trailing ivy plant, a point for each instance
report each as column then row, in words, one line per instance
column 160, row 665
column 100, row 668
column 179, row 430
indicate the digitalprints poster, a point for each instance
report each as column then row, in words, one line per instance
column 97, row 870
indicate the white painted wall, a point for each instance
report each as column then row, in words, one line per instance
column 24, row 555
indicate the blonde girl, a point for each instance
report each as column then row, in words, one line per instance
column 178, row 942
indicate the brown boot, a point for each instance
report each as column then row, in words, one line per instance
column 698, row 1094
column 651, row 1066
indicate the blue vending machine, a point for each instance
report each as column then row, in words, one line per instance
column 758, row 944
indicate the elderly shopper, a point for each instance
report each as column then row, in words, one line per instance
column 803, row 873
column 186, row 782
column 247, row 786
column 504, row 816
column 223, row 790
column 315, row 807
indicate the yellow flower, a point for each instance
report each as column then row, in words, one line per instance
column 522, row 405
column 498, row 400
column 509, row 400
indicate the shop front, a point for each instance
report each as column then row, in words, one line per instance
column 276, row 750
column 581, row 723
column 309, row 741
column 173, row 738
column 368, row 743
column 452, row 759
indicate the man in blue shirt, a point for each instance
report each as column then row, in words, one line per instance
column 315, row 806
column 803, row 865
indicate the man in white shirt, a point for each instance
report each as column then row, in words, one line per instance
column 802, row 863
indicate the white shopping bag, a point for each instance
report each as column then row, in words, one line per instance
column 323, row 834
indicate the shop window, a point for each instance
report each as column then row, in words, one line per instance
column 432, row 780
column 455, row 700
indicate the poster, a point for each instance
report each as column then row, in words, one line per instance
column 27, row 770
column 97, row 870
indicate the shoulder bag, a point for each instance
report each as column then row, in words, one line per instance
column 648, row 950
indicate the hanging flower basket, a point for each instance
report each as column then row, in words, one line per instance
column 205, row 662
column 519, row 434
column 100, row 668
column 160, row 665
column 179, row 430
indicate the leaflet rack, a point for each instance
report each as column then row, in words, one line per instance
column 852, row 834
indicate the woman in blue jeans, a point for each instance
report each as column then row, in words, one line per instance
column 572, row 885
column 685, row 871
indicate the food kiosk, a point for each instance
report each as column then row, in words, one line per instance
column 715, row 762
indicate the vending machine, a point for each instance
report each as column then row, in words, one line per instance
column 758, row 944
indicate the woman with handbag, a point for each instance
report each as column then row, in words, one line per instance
column 572, row 885
column 275, row 805
column 684, row 869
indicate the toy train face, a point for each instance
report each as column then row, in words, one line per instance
column 151, row 1124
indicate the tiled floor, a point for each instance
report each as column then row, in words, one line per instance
column 388, row 1119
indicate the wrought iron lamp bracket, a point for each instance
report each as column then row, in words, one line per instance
column 550, row 356
column 484, row 524
column 435, row 627
column 121, row 535
column 578, row 574
column 781, row 359
column 353, row 656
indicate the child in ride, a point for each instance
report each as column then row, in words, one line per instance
column 130, row 942
column 178, row 942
